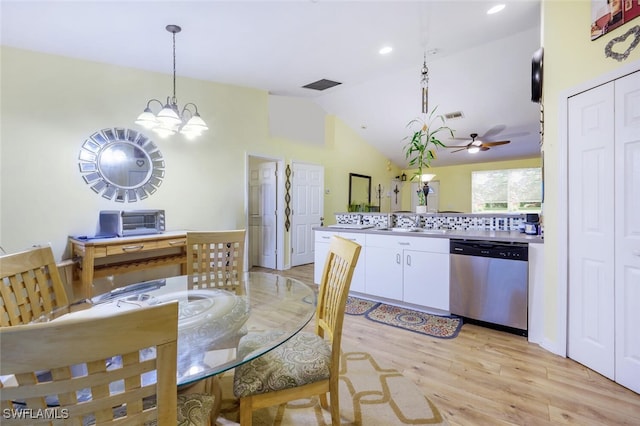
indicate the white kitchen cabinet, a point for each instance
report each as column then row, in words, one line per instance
column 321, row 248
column 412, row 269
column 322, row 240
column 426, row 279
column 383, row 272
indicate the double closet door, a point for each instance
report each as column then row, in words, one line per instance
column 604, row 229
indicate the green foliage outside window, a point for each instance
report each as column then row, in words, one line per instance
column 506, row 191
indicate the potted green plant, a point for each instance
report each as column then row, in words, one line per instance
column 420, row 149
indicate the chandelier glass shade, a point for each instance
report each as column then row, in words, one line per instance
column 171, row 119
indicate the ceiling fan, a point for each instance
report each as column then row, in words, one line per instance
column 477, row 145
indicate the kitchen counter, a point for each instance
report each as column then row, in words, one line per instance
column 501, row 236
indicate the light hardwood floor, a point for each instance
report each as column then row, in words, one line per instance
column 488, row 377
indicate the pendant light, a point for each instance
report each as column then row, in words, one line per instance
column 171, row 119
column 424, row 83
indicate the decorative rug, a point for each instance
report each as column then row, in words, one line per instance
column 444, row 327
column 356, row 306
column 370, row 395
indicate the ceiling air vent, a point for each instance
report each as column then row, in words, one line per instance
column 453, row 115
column 323, row 84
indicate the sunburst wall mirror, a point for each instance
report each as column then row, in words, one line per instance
column 121, row 164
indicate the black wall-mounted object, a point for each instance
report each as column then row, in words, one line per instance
column 536, row 75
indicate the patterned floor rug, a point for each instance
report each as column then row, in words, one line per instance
column 444, row 327
column 357, row 306
column 370, row 395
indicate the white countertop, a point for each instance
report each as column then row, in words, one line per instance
column 504, row 236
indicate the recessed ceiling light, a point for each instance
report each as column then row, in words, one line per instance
column 385, row 50
column 495, row 9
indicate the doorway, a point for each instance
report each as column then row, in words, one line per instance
column 264, row 223
column 433, row 199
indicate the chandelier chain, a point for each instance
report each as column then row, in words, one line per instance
column 175, row 101
column 171, row 119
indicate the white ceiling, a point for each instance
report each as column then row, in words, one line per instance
column 482, row 66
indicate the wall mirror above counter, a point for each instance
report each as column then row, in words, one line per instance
column 359, row 191
column 121, row 164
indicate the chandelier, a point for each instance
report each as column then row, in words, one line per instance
column 171, row 119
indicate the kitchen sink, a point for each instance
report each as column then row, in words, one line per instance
column 419, row 230
column 433, row 231
column 401, row 229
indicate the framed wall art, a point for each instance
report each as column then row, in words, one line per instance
column 607, row 15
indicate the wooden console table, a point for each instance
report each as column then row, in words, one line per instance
column 101, row 257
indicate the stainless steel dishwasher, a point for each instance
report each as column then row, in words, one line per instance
column 489, row 283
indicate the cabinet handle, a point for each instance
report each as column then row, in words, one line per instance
column 173, row 243
column 404, row 244
column 398, row 258
column 133, row 248
column 325, row 237
column 408, row 260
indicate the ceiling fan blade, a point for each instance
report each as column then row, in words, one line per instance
column 455, row 146
column 460, row 139
column 495, row 143
column 461, row 149
column 484, row 148
column 493, row 131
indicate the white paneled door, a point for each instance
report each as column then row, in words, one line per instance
column 627, row 231
column 604, row 229
column 591, row 236
column 263, row 213
column 307, row 197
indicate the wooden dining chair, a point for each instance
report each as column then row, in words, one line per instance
column 217, row 258
column 98, row 370
column 31, row 286
column 308, row 364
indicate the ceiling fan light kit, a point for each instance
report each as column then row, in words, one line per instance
column 476, row 146
column 170, row 119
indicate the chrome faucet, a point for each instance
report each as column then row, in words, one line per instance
column 415, row 220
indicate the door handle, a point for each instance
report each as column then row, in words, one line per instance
column 398, row 258
column 408, row 260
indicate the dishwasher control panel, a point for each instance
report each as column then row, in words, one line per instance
column 511, row 251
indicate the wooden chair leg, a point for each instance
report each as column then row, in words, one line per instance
column 335, row 402
column 246, row 411
column 323, row 401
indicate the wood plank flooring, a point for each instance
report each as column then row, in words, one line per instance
column 489, row 377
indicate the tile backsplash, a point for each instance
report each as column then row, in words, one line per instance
column 457, row 221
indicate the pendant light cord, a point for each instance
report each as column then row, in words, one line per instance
column 174, row 100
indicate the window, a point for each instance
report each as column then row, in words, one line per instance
column 506, row 191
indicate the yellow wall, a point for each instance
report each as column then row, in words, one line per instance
column 51, row 104
column 455, row 182
column 570, row 59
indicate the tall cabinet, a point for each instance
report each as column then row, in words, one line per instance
column 604, row 229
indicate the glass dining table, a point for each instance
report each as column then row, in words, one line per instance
column 212, row 320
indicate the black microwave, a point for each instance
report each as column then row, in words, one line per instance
column 132, row 222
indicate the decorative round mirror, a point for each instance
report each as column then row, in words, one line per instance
column 121, row 164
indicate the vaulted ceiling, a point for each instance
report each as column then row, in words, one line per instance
column 479, row 64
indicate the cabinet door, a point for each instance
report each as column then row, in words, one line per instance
column 321, row 248
column 627, row 230
column 358, row 279
column 383, row 272
column 426, row 279
column 591, row 247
